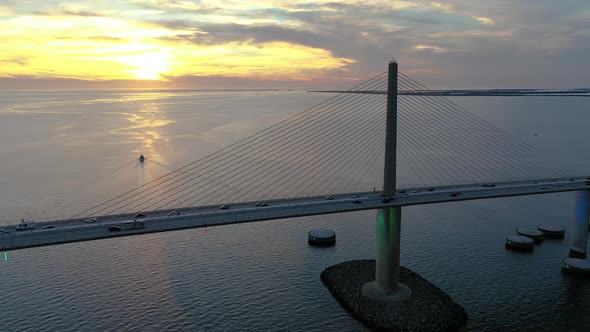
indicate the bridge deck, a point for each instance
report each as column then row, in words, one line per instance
column 65, row 231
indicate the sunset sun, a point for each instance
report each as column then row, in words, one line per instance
column 148, row 66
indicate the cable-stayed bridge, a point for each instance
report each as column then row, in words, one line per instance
column 318, row 162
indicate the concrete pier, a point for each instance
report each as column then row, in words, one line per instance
column 534, row 234
column 386, row 286
column 576, row 266
column 520, row 242
column 552, row 231
column 580, row 229
column 321, row 237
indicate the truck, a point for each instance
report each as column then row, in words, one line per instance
column 23, row 226
column 130, row 225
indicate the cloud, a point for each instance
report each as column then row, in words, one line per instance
column 430, row 48
column 5, row 11
column 304, row 40
column 175, row 5
column 70, row 12
column 20, row 61
column 484, row 20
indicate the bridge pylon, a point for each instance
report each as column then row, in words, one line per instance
column 580, row 229
column 386, row 286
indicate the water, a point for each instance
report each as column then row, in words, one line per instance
column 57, row 147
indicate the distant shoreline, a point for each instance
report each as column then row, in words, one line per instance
column 477, row 93
column 581, row 92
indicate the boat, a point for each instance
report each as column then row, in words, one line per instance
column 141, row 158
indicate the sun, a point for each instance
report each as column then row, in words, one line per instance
column 148, row 66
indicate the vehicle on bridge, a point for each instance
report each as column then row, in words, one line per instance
column 90, row 220
column 130, row 225
column 23, row 226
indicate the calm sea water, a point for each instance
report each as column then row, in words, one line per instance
column 61, row 151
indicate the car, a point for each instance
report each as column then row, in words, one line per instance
column 330, row 197
column 402, row 191
column 261, row 204
column 90, row 220
column 49, row 227
column 572, row 179
column 114, row 229
column 224, row 207
column 139, row 215
column 356, row 196
column 173, row 213
column 455, row 194
column 430, row 189
column 416, row 191
column 386, row 200
column 3, row 231
column 356, row 201
column 489, row 185
column 381, row 195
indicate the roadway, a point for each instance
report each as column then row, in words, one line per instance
column 74, row 230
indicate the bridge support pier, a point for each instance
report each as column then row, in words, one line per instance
column 580, row 229
column 386, row 286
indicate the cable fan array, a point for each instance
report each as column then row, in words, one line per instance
column 332, row 147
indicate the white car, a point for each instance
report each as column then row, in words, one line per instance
column 173, row 213
column 90, row 220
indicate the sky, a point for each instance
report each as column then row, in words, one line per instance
column 211, row 44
